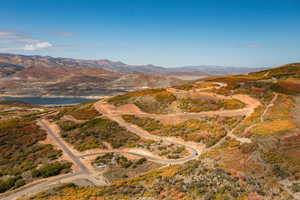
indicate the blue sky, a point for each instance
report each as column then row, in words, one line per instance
column 162, row 32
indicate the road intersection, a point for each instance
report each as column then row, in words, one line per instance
column 83, row 171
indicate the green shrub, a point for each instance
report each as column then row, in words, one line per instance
column 148, row 124
column 20, row 147
column 92, row 133
column 8, row 184
column 51, row 169
column 68, row 125
column 123, row 161
column 141, row 161
column 295, row 187
column 19, row 183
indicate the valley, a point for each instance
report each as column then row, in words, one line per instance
column 149, row 100
column 237, row 132
column 45, row 76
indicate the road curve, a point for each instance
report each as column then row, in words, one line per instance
column 75, row 159
column 37, row 187
column 194, row 153
column 83, row 170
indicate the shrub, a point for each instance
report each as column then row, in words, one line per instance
column 92, row 133
column 20, row 148
column 295, row 187
column 148, row 124
column 51, row 169
column 141, row 161
column 105, row 159
column 123, row 161
column 68, row 125
column 83, row 111
column 19, row 183
column 8, row 184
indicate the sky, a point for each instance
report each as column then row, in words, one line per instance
column 169, row 33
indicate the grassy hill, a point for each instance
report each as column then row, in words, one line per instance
column 245, row 157
column 24, row 157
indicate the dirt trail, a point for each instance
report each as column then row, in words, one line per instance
column 73, row 119
column 83, row 169
column 271, row 104
column 56, row 130
column 111, row 110
column 115, row 114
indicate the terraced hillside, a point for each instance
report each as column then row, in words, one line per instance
column 241, row 142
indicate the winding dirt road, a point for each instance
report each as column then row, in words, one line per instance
column 112, row 113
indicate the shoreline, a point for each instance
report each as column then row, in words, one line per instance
column 58, row 104
column 52, row 96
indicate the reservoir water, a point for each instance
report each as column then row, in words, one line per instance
column 48, row 100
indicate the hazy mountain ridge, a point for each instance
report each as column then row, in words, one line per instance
column 219, row 70
column 118, row 66
column 44, row 75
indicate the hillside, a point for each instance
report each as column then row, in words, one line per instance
column 7, row 69
column 38, row 76
column 230, row 137
column 26, row 156
column 49, row 76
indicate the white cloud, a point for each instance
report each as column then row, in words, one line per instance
column 19, row 41
column 37, row 46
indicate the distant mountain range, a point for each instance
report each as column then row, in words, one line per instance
column 218, row 70
column 45, row 75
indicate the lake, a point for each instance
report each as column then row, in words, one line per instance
column 48, row 100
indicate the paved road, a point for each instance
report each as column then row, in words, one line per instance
column 83, row 170
column 37, row 187
column 74, row 158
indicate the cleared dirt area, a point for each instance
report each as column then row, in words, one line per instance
column 83, row 159
column 251, row 104
column 115, row 113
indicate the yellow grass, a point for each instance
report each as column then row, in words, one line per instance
column 290, row 84
column 276, row 126
column 170, row 172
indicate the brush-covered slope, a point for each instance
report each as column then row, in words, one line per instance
column 255, row 156
column 26, row 154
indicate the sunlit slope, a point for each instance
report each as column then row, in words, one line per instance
column 251, row 152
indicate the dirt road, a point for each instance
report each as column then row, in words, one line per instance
column 112, row 113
